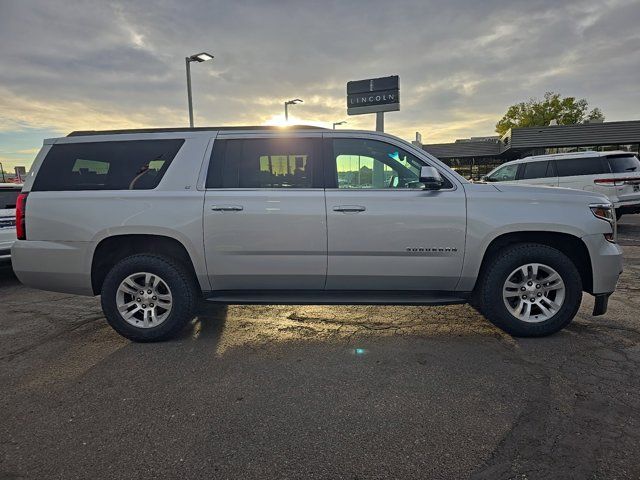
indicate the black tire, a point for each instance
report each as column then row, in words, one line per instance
column 488, row 295
column 176, row 277
column 618, row 214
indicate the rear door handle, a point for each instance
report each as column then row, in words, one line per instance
column 227, row 208
column 349, row 208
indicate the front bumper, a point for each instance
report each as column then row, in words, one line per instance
column 606, row 263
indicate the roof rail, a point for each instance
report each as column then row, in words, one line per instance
column 82, row 133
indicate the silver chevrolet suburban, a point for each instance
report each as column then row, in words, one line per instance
column 154, row 220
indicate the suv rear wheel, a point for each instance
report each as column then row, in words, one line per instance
column 530, row 290
column 148, row 298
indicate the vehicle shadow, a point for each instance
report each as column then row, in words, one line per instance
column 207, row 325
column 7, row 277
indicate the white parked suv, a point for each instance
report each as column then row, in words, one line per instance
column 614, row 174
column 154, row 220
column 8, row 197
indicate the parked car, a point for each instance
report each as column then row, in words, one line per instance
column 153, row 220
column 614, row 174
column 8, row 195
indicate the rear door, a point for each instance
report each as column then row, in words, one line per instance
column 580, row 173
column 384, row 231
column 541, row 172
column 264, row 213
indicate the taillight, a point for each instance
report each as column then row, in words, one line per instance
column 21, row 228
column 611, row 182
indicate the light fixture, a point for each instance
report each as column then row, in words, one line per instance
column 201, row 57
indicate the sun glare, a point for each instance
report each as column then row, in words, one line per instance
column 279, row 121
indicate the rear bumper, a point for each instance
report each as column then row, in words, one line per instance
column 628, row 209
column 56, row 266
column 628, row 205
column 5, row 251
column 606, row 263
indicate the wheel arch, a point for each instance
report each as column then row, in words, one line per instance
column 110, row 250
column 570, row 245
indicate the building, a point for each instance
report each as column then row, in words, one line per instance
column 477, row 156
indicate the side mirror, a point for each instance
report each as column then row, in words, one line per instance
column 431, row 178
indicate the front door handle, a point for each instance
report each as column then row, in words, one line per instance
column 349, row 208
column 227, row 208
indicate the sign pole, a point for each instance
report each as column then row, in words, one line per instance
column 379, row 121
column 374, row 95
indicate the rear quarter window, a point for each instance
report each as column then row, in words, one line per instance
column 119, row 165
column 624, row 163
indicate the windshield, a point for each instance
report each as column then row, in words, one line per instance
column 8, row 197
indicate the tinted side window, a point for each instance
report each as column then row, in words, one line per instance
column 264, row 163
column 127, row 165
column 580, row 166
column 624, row 163
column 535, row 170
column 360, row 164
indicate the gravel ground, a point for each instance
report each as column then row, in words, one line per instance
column 320, row 392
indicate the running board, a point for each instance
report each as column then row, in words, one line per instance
column 336, row 297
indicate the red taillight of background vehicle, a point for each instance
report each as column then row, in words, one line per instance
column 611, row 182
column 21, row 227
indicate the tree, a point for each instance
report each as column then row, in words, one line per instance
column 537, row 113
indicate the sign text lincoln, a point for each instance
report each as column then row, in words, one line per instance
column 373, row 95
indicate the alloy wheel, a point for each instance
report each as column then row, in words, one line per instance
column 533, row 292
column 144, row 300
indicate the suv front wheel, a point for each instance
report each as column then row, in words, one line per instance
column 148, row 298
column 530, row 290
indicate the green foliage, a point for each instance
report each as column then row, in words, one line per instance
column 538, row 113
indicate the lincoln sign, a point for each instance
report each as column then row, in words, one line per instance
column 373, row 95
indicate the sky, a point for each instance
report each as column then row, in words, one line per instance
column 77, row 65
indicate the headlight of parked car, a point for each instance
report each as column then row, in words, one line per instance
column 604, row 211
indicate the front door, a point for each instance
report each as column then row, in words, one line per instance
column 384, row 231
column 264, row 214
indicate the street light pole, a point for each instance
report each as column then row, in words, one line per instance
column 187, row 61
column 198, row 57
column 335, row 124
column 286, row 107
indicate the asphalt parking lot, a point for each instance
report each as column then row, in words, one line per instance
column 320, row 392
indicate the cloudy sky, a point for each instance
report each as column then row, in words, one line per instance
column 68, row 65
